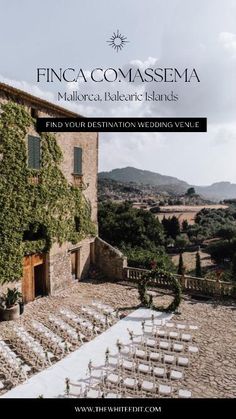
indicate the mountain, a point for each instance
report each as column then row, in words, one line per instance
column 143, row 177
column 217, row 191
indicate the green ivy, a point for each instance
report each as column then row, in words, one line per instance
column 59, row 209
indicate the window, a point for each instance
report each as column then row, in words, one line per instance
column 78, row 161
column 77, row 224
column 34, row 113
column 33, row 152
column 36, row 231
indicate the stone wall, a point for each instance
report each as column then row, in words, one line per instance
column 60, row 264
column 59, row 271
column 89, row 144
column 109, row 260
column 59, row 258
column 15, row 284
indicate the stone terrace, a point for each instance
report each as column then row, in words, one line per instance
column 213, row 374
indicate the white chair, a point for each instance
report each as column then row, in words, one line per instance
column 144, row 368
column 164, row 390
column 164, row 345
column 178, row 347
column 161, row 333
column 184, row 394
column 127, row 365
column 193, row 349
column 139, row 353
column 26, row 368
column 170, row 325
column 174, row 335
column 96, row 376
column 148, row 330
column 158, row 322
column 93, row 394
column 183, row 361
column 137, row 340
column 193, row 327
column 159, row 372
column 155, row 356
column 148, row 386
column 130, row 383
column 125, row 350
column 113, row 379
column 181, row 326
column 176, row 375
column 186, row 337
column 111, row 395
column 114, row 362
column 169, row 359
column 151, row 343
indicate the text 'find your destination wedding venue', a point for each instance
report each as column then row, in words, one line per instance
column 81, row 124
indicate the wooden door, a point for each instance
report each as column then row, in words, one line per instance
column 75, row 264
column 28, row 280
column 74, row 271
column 39, row 281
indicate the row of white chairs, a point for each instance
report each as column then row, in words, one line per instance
column 105, row 308
column 62, row 329
column 164, row 356
column 120, row 385
column 105, row 320
column 30, row 349
column 165, row 371
column 187, row 326
column 164, row 344
column 11, row 366
column 169, row 334
column 49, row 339
column 80, row 322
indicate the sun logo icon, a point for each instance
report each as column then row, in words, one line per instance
column 117, row 41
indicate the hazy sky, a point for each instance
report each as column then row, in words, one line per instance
column 175, row 33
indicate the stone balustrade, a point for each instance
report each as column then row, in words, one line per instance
column 188, row 283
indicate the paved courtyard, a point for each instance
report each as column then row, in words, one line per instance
column 213, row 373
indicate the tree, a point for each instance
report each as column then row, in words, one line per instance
column 181, row 241
column 155, row 209
column 222, row 251
column 181, row 268
column 143, row 258
column 227, row 233
column 190, row 192
column 198, row 271
column 185, row 225
column 122, row 225
column 171, row 226
column 175, row 227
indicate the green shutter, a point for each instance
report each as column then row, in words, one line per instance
column 33, row 152
column 78, row 160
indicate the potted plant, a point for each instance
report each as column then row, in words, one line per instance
column 9, row 304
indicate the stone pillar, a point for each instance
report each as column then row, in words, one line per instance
column 183, row 281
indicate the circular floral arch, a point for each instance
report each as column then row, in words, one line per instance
column 149, row 279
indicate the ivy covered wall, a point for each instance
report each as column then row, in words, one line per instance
column 34, row 216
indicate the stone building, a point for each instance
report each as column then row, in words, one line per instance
column 46, row 273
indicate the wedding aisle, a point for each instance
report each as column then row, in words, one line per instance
column 50, row 383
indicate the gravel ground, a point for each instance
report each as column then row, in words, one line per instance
column 213, row 373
